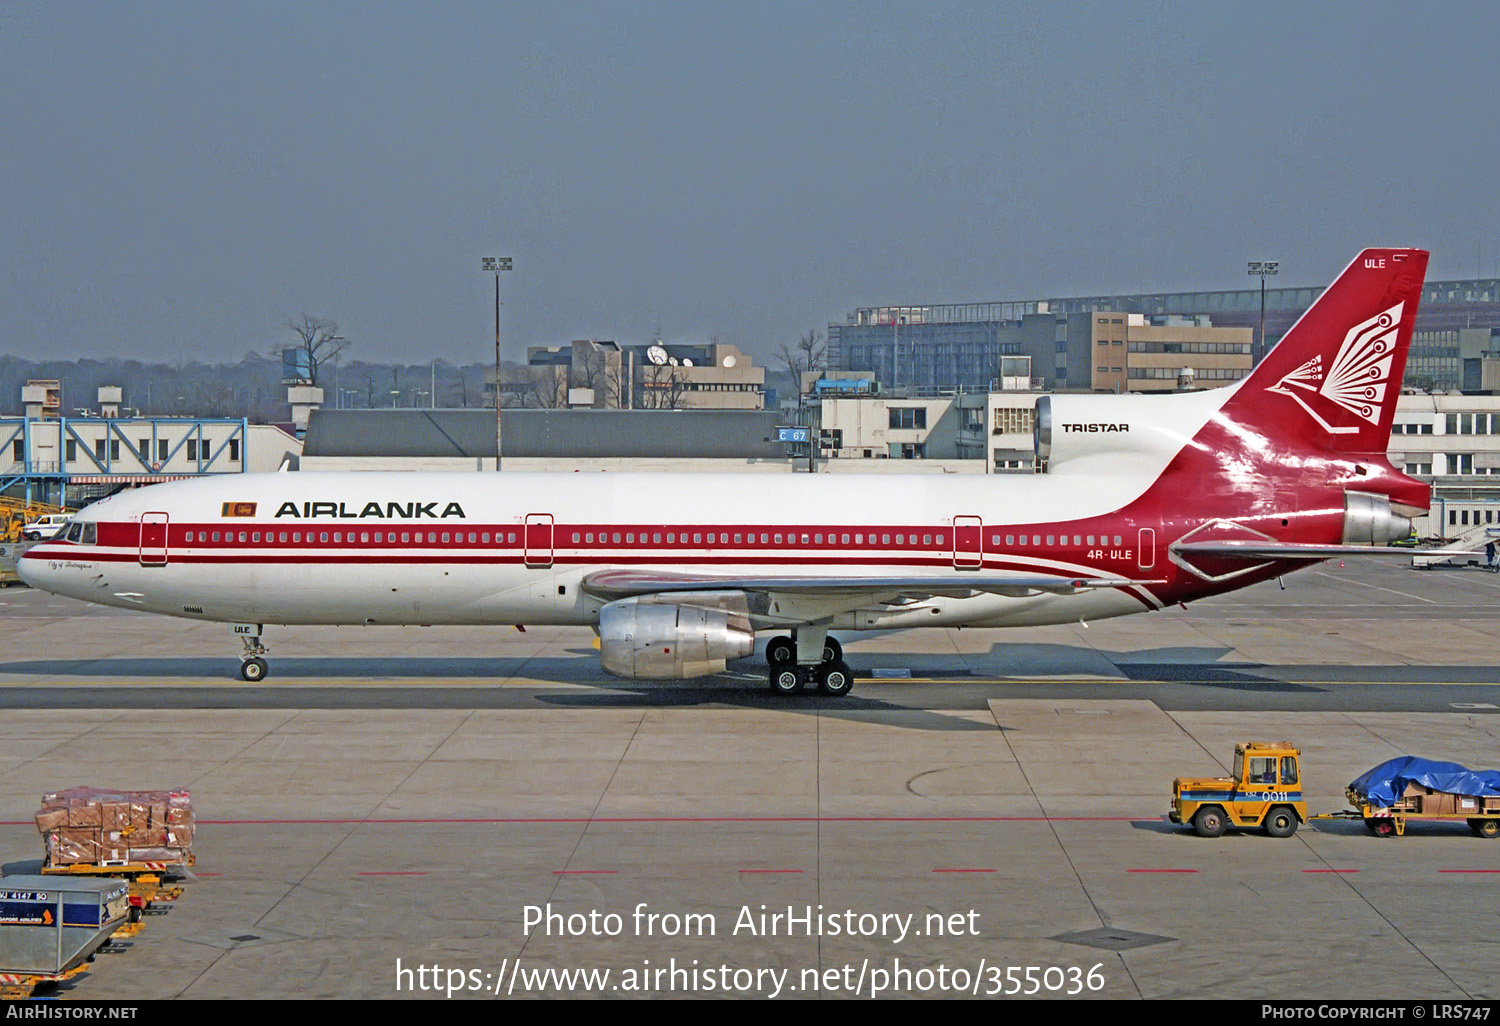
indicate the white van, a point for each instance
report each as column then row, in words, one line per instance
column 46, row 527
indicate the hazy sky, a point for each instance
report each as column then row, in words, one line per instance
column 177, row 180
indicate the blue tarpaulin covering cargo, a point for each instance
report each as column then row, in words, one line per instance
column 1385, row 784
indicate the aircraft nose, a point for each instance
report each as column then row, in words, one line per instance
column 33, row 569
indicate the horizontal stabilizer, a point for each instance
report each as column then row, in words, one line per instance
column 1257, row 550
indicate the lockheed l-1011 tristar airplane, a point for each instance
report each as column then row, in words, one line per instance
column 1143, row 502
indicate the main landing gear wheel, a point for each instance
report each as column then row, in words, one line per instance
column 254, row 669
column 835, row 678
column 786, row 678
column 832, row 651
column 1485, row 827
column 781, row 650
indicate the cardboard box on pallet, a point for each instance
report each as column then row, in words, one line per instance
column 97, row 826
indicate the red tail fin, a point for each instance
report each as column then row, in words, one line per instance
column 1331, row 383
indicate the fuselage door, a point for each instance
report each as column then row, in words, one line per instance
column 1145, row 552
column 153, row 539
column 539, row 539
column 968, row 543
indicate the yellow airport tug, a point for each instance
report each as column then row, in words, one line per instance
column 1265, row 792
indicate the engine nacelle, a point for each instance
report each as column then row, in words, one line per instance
column 1369, row 520
column 661, row 637
column 1117, row 433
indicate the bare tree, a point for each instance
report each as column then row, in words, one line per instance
column 662, row 387
column 804, row 358
column 601, row 370
column 318, row 340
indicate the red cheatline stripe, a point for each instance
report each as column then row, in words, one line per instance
column 1330, row 871
column 1161, row 871
column 964, row 871
column 1469, row 870
column 770, row 871
column 393, row 872
column 664, row 819
column 584, row 872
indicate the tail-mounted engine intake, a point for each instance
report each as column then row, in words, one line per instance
column 658, row 638
column 1369, row 520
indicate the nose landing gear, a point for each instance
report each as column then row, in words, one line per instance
column 253, row 666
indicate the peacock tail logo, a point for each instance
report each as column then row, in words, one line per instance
column 1358, row 379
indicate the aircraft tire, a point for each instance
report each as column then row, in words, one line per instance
column 781, row 650
column 832, row 651
column 254, row 669
column 786, row 679
column 1485, row 827
column 835, row 679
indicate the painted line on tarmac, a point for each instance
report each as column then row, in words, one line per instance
column 1330, row 871
column 1469, row 870
column 1161, row 870
column 584, row 872
column 770, row 871
column 965, row 870
column 392, row 872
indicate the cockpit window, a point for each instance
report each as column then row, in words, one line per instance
column 90, row 533
column 73, row 533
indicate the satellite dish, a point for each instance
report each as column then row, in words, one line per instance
column 657, row 355
column 686, row 362
column 729, row 361
column 673, row 361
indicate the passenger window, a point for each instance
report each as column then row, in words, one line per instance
column 1091, row 541
column 630, row 538
column 1051, row 540
column 671, row 539
column 283, row 537
column 926, row 539
column 255, row 537
column 617, row 537
column 1288, row 770
column 445, row 538
column 1010, row 539
column 859, row 539
column 1036, row 539
column 337, row 537
column 1077, row 539
column 296, row 537
column 405, row 537
column 738, row 539
column 216, row 536
column 484, row 538
column 940, row 539
column 818, row 539
column 697, row 539
column 323, row 537
column 656, row 538
column 1119, row 540
column 778, row 539
column 885, row 539
column 804, row 539
column 846, row 539
column 364, row 536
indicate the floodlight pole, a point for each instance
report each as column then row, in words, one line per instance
column 496, row 265
column 1263, row 268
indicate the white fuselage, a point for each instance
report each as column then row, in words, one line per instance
column 472, row 548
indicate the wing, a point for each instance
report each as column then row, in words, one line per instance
column 809, row 598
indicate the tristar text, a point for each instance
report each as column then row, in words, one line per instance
column 389, row 511
column 1091, row 429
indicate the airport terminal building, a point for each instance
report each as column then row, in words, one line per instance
column 1145, row 342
